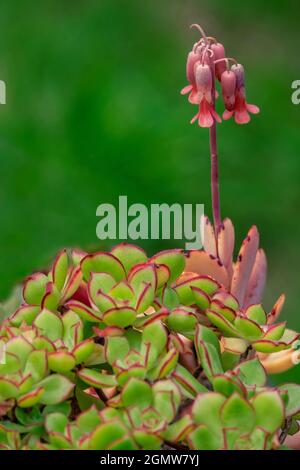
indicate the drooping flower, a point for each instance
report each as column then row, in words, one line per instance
column 204, row 81
column 241, row 107
column 219, row 53
column 193, row 57
column 228, row 83
column 208, row 52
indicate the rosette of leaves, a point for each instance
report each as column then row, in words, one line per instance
column 40, row 358
column 124, row 284
column 235, row 414
column 53, row 289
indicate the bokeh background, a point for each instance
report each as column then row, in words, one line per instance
column 94, row 111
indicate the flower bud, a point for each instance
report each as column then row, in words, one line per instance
column 228, row 83
column 219, row 53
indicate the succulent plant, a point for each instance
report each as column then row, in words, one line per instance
column 115, row 350
column 134, row 359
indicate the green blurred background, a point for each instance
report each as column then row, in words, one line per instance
column 94, row 111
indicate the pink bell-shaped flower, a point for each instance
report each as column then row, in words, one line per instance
column 241, row 108
column 192, row 58
column 204, row 82
column 228, row 83
column 219, row 53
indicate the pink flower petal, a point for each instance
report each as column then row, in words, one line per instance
column 205, row 117
column 215, row 115
column 227, row 115
column 194, row 118
column 242, row 117
column 252, row 108
column 194, row 97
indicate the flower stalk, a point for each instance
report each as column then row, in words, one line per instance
column 215, row 193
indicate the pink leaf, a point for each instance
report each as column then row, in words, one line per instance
column 244, row 265
column 202, row 263
column 209, row 240
column 257, row 280
column 226, row 245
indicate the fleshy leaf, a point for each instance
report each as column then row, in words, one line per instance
column 36, row 365
column 121, row 317
column 61, row 361
column 156, row 335
column 145, row 298
column 234, row 345
column 167, row 364
column 116, row 347
column 25, row 313
column 182, row 320
column 228, row 384
column 202, row 263
column 51, row 298
column 57, row 388
column 31, row 398
column 257, row 314
column 137, row 393
column 275, row 332
column 187, row 381
column 35, row 288
column 20, row 347
column 105, row 435
column 269, row 410
column 248, row 328
column 86, row 313
column 49, row 324
column 222, row 323
column 268, row 346
column 83, row 350
column 102, row 263
column 202, row 300
column 73, row 284
column 203, row 333
column 185, row 292
column 293, row 392
column 251, row 372
column 226, row 312
column 203, row 439
column 141, row 275
column 209, row 239
column 129, row 255
column 97, row 379
column 244, row 265
column 178, row 430
column 209, row 359
column 238, row 413
column 8, row 389
column 206, row 410
column 257, row 279
column 60, row 269
column 276, row 310
column 173, row 259
column 88, row 420
column 169, row 297
column 226, row 238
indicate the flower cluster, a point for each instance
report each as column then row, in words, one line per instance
column 206, row 63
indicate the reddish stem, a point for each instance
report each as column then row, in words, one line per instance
column 214, row 169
